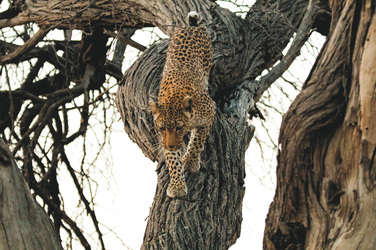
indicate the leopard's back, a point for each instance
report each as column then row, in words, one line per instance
column 189, row 53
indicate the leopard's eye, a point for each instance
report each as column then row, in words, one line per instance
column 162, row 128
column 178, row 128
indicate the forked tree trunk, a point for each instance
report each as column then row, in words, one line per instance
column 326, row 196
column 210, row 216
column 23, row 223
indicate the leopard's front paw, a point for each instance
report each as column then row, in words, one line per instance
column 176, row 191
column 191, row 164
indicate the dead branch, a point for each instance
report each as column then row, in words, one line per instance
column 90, row 211
column 125, row 40
column 302, row 35
column 26, row 46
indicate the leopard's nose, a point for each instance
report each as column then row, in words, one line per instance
column 170, row 147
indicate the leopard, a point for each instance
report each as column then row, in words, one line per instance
column 184, row 106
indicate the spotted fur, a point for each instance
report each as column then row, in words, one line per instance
column 184, row 104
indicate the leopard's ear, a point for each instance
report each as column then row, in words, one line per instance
column 154, row 109
column 187, row 106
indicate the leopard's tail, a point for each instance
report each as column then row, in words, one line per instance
column 193, row 18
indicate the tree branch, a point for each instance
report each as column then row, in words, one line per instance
column 72, row 14
column 302, row 35
column 125, row 40
column 26, row 46
column 14, row 21
column 90, row 211
column 72, row 224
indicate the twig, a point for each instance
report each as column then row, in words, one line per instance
column 82, row 196
column 11, row 103
column 105, row 91
column 64, row 216
column 125, row 40
column 26, row 46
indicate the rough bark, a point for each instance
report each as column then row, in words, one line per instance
column 210, row 216
column 71, row 14
column 23, row 223
column 325, row 197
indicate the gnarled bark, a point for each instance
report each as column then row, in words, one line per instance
column 325, row 197
column 23, row 223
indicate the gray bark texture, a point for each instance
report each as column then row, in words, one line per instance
column 23, row 222
column 326, row 196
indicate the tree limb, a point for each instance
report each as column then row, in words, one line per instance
column 125, row 40
column 90, row 211
column 302, row 35
column 26, row 46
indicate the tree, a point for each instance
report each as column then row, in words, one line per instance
column 210, row 216
column 325, row 196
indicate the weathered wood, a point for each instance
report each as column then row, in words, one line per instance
column 23, row 223
column 71, row 14
column 27, row 46
column 325, row 197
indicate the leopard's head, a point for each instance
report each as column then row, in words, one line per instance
column 172, row 122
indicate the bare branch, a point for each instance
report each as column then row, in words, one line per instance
column 90, row 211
column 72, row 224
column 126, row 40
column 18, row 20
column 302, row 35
column 26, row 46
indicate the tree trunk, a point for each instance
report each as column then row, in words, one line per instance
column 209, row 217
column 326, row 197
column 23, row 223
